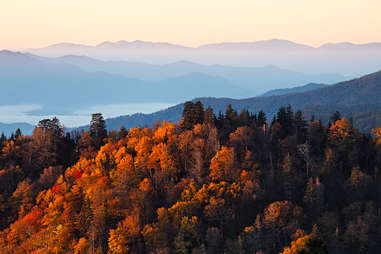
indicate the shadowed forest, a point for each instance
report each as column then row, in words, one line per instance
column 234, row 182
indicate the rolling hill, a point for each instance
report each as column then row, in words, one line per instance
column 9, row 128
column 357, row 97
column 298, row 89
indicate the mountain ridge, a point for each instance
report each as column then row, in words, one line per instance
column 366, row 108
column 297, row 89
column 257, row 79
column 334, row 97
column 281, row 42
column 328, row 57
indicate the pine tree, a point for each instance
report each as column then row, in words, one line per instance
column 230, row 113
column 335, row 117
column 97, row 130
column 18, row 133
column 209, row 116
column 288, row 178
column 300, row 126
column 261, row 119
column 193, row 114
column 122, row 132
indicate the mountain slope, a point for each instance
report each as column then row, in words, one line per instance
column 9, row 128
column 353, row 96
column 298, row 89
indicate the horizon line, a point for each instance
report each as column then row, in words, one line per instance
column 189, row 46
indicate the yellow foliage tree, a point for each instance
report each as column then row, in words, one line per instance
column 377, row 132
column 222, row 165
column 124, row 236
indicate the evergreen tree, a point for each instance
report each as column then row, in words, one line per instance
column 18, row 133
column 300, row 126
column 122, row 132
column 261, row 119
column 230, row 113
column 335, row 117
column 3, row 139
column 193, row 114
column 289, row 178
column 209, row 116
column 97, row 130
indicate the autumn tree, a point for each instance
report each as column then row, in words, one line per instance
column 309, row 244
column 49, row 146
column 222, row 166
column 124, row 238
column 221, row 185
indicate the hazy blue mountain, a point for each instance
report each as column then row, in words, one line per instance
column 194, row 84
column 298, row 89
column 353, row 97
column 134, row 51
column 9, row 128
column 256, row 79
column 274, row 44
column 351, row 46
column 140, row 45
column 342, row 58
column 62, row 87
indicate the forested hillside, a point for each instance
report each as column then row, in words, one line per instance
column 353, row 97
column 207, row 184
column 298, row 89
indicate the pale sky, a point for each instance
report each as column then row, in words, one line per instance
column 38, row 23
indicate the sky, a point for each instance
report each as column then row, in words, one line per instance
column 38, row 23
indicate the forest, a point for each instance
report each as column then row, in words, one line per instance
column 231, row 182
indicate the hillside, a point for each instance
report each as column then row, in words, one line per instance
column 9, row 128
column 298, row 89
column 353, row 96
column 201, row 185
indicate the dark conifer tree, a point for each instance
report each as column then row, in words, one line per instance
column 244, row 118
column 300, row 126
column 261, row 119
column 3, row 139
column 193, row 114
column 230, row 113
column 335, row 117
column 209, row 116
column 18, row 133
column 122, row 132
column 97, row 130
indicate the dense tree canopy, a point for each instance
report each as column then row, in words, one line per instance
column 234, row 183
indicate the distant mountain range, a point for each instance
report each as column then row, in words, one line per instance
column 61, row 85
column 358, row 98
column 61, row 88
column 9, row 128
column 343, row 58
column 255, row 79
column 65, row 77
